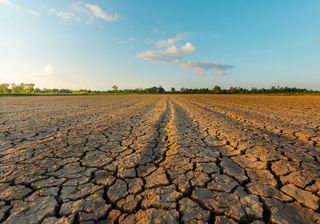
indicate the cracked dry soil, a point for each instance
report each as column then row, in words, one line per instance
column 160, row 159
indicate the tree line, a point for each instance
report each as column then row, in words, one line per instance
column 31, row 89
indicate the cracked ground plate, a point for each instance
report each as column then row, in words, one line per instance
column 160, row 159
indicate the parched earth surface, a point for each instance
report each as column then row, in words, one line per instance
column 160, row 159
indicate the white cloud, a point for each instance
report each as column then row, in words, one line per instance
column 6, row 2
column 171, row 41
column 88, row 13
column 172, row 51
column 32, row 12
column 19, row 8
column 100, row 13
column 47, row 70
column 174, row 55
column 179, row 52
column 201, row 68
column 65, row 15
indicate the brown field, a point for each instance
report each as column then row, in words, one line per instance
column 160, row 159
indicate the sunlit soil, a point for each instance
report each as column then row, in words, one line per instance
column 160, row 159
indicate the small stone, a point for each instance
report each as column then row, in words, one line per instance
column 183, row 184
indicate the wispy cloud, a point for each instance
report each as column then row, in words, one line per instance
column 171, row 41
column 172, row 51
column 129, row 40
column 201, row 68
column 19, row 8
column 6, row 2
column 101, row 14
column 88, row 13
column 32, row 12
column 175, row 55
column 65, row 15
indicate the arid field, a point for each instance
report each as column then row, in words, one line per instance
column 160, row 159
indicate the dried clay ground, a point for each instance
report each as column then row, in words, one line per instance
column 160, row 159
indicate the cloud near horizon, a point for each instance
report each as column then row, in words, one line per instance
column 50, row 77
column 174, row 55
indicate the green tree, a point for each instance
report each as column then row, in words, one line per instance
column 17, row 88
column 216, row 89
column 161, row 89
column 28, row 88
column 115, row 88
column 4, row 88
column 173, row 90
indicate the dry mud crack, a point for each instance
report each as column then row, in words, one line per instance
column 160, row 159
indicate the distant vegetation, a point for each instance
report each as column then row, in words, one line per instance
column 30, row 89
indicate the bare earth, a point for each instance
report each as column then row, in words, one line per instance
column 160, row 159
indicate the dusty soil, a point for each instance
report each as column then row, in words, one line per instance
column 160, row 159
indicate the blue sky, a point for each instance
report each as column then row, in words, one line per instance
column 183, row 43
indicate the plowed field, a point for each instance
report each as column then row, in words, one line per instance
column 160, row 159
